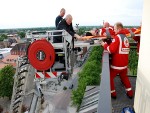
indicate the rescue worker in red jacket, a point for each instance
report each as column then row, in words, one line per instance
column 119, row 50
column 107, row 25
column 106, row 31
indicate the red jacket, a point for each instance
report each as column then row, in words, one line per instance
column 102, row 31
column 119, row 50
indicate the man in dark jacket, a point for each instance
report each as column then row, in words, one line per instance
column 65, row 24
column 59, row 17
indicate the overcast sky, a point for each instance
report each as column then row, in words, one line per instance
column 42, row 13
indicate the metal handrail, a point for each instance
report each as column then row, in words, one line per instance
column 104, row 102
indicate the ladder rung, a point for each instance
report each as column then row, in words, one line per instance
column 16, row 103
column 16, row 107
column 22, row 71
column 17, row 97
column 24, row 63
column 19, row 91
column 20, row 85
column 21, row 78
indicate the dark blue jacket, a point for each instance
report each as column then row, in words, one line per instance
column 58, row 19
column 63, row 26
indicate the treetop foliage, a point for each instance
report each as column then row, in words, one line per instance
column 6, row 81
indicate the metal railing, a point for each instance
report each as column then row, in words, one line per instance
column 104, row 102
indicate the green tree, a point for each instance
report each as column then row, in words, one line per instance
column 2, row 37
column 133, row 62
column 6, row 81
column 21, row 34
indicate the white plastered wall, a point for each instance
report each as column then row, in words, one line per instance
column 142, row 93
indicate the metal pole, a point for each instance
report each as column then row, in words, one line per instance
column 34, row 103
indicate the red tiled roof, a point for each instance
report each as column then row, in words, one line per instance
column 9, row 60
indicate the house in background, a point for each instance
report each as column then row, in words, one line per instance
column 19, row 49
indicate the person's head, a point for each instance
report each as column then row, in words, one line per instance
column 68, row 19
column 62, row 12
column 106, row 25
column 118, row 26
